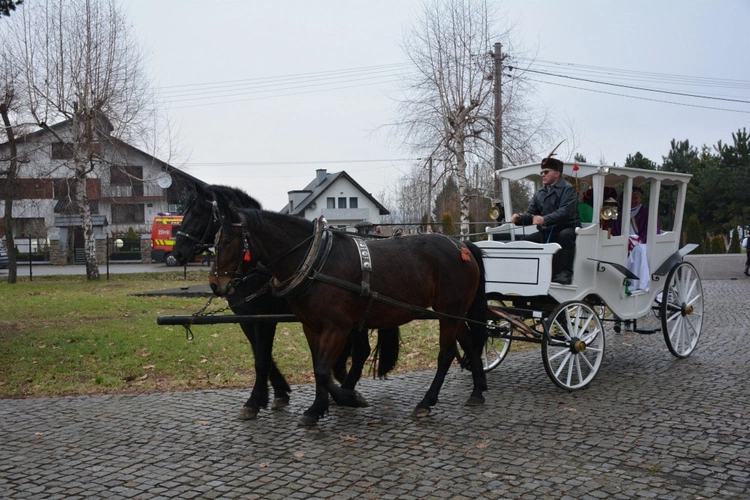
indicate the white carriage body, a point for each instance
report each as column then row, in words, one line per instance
column 524, row 268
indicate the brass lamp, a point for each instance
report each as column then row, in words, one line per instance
column 609, row 213
column 496, row 212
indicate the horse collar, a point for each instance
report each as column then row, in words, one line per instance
column 314, row 260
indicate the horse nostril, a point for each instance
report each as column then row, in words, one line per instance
column 214, row 288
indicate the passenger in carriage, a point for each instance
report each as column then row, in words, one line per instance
column 638, row 217
column 554, row 209
column 586, row 206
column 637, row 259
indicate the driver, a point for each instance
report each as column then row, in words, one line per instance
column 554, row 210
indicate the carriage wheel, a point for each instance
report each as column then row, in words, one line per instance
column 681, row 309
column 573, row 349
column 496, row 347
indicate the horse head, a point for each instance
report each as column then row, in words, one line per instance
column 199, row 225
column 235, row 252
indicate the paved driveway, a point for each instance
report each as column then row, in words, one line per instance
column 648, row 426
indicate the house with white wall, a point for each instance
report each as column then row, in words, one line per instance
column 338, row 198
column 126, row 188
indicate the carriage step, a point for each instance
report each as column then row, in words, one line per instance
column 647, row 331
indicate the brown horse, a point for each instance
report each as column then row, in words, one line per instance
column 197, row 232
column 336, row 284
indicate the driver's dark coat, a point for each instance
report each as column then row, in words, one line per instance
column 546, row 202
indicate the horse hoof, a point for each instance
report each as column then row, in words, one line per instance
column 420, row 412
column 247, row 413
column 361, row 402
column 279, row 403
column 475, row 401
column 307, row 421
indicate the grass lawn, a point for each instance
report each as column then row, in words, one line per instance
column 64, row 335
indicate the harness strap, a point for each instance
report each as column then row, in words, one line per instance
column 365, row 263
column 426, row 313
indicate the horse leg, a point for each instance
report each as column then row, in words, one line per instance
column 445, row 358
column 261, row 337
column 259, row 395
column 265, row 334
column 339, row 367
column 360, row 348
column 473, row 354
column 325, row 346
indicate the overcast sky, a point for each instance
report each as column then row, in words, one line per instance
column 263, row 93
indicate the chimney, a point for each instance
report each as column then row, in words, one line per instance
column 320, row 176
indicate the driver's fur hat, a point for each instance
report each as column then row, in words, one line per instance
column 552, row 163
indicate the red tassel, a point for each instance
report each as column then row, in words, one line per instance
column 465, row 254
column 246, row 258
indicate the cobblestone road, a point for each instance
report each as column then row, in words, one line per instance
column 648, row 426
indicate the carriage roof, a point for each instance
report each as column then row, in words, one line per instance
column 612, row 175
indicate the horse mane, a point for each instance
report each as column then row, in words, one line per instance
column 233, row 195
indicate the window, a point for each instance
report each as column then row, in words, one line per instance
column 353, row 202
column 62, row 150
column 330, row 202
column 64, row 189
column 126, row 180
column 123, row 213
column 342, row 202
column 32, row 227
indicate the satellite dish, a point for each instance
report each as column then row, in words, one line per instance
column 164, row 180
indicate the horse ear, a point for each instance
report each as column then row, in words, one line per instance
column 235, row 212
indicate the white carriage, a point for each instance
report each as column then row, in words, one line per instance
column 608, row 285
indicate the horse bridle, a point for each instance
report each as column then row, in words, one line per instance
column 201, row 244
column 320, row 231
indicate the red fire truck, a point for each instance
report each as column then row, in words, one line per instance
column 163, row 235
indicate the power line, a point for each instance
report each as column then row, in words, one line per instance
column 637, row 88
column 222, row 92
column 640, row 97
column 296, row 162
column 683, row 80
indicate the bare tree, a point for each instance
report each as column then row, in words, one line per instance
column 81, row 66
column 448, row 107
column 9, row 174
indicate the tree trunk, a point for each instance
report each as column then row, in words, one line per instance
column 11, row 188
column 92, row 264
column 463, row 190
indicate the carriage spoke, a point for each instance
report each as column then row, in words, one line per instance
column 682, row 312
column 573, row 365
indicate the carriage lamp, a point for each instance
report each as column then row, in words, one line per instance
column 609, row 213
column 496, row 212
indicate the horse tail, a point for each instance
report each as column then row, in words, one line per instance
column 478, row 310
column 386, row 351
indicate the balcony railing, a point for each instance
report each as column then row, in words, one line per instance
column 341, row 214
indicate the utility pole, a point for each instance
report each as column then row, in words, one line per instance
column 498, row 118
column 429, row 193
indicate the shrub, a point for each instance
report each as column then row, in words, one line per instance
column 694, row 234
column 718, row 244
column 734, row 244
column 447, row 223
